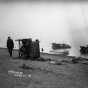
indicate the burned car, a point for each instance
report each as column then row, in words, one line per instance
column 84, row 49
column 29, row 48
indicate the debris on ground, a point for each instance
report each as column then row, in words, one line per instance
column 42, row 59
column 85, row 62
column 18, row 74
column 56, row 63
column 24, row 66
column 80, row 60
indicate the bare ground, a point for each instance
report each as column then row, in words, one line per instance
column 43, row 74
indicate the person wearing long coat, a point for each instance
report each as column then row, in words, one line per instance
column 10, row 45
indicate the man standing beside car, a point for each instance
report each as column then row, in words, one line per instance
column 10, row 45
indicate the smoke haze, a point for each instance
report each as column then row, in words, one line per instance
column 49, row 22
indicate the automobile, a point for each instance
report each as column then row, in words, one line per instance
column 84, row 49
column 28, row 48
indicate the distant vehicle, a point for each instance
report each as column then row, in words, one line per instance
column 56, row 46
column 60, row 49
column 84, row 49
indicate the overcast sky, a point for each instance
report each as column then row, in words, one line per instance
column 47, row 21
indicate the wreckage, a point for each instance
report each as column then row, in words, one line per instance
column 84, row 49
column 56, row 46
column 60, row 49
column 29, row 48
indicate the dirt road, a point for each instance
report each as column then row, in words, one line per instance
column 43, row 74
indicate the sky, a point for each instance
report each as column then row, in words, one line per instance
column 54, row 21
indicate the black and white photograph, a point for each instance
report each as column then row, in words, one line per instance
column 43, row 44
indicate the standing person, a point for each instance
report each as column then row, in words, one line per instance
column 42, row 50
column 10, row 45
column 37, row 49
